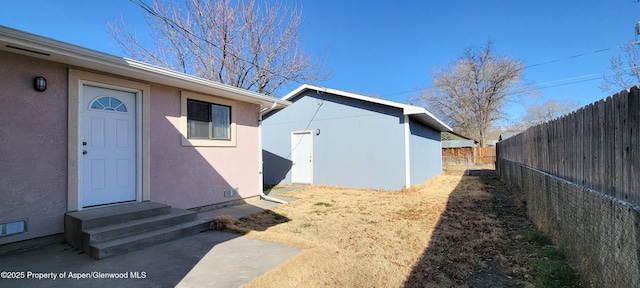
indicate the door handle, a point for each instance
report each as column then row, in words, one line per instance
column 84, row 143
column 84, row 152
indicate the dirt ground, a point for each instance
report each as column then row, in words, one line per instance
column 453, row 231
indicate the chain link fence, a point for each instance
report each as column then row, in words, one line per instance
column 598, row 233
column 579, row 175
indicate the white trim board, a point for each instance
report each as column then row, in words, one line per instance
column 407, row 152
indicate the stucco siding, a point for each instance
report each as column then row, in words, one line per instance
column 425, row 157
column 360, row 145
column 188, row 177
column 34, row 150
column 33, row 146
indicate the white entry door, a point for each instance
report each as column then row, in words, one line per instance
column 301, row 157
column 108, row 146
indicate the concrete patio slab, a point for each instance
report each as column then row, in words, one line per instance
column 207, row 259
column 237, row 262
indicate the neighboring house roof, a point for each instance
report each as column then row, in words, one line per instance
column 20, row 42
column 452, row 135
column 419, row 113
column 508, row 134
column 457, row 143
column 492, row 143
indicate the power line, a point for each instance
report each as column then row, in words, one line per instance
column 541, row 64
column 320, row 103
column 531, row 87
column 179, row 28
column 573, row 56
column 557, row 85
column 403, row 92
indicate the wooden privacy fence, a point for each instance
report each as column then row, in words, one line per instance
column 595, row 147
column 580, row 176
column 486, row 155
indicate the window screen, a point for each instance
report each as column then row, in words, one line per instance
column 208, row 121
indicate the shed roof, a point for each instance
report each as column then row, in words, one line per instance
column 419, row 113
column 32, row 45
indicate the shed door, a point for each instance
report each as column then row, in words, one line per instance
column 108, row 148
column 301, row 157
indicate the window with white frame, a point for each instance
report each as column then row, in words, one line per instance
column 207, row 121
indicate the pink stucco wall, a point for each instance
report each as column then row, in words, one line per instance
column 33, row 150
column 189, row 177
column 33, row 146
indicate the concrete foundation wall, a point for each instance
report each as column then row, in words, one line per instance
column 598, row 233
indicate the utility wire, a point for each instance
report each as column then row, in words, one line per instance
column 179, row 28
column 320, row 103
column 573, row 56
column 176, row 26
column 541, row 64
column 527, row 88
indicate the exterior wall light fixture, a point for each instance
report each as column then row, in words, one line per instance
column 40, row 83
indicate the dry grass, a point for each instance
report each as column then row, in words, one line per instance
column 254, row 222
column 430, row 235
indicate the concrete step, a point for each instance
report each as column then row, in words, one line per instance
column 143, row 240
column 113, row 231
column 98, row 217
column 106, row 231
column 76, row 222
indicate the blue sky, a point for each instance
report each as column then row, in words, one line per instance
column 389, row 48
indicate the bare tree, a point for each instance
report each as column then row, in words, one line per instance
column 625, row 67
column 471, row 94
column 548, row 111
column 247, row 44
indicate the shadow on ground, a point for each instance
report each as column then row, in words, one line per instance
column 192, row 261
column 162, row 265
column 476, row 241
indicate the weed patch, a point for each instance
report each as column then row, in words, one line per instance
column 552, row 270
column 254, row 222
column 323, row 204
column 536, row 236
column 227, row 223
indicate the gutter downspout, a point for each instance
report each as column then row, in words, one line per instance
column 260, row 174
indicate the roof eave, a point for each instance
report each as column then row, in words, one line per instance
column 416, row 112
column 20, row 42
column 427, row 118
